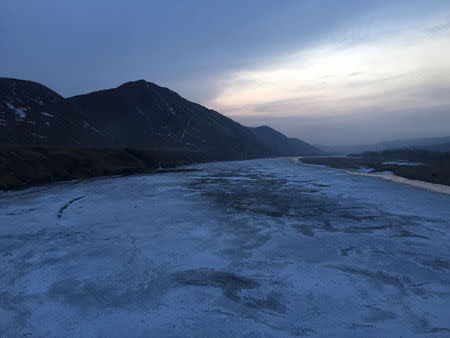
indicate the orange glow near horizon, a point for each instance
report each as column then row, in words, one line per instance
column 391, row 71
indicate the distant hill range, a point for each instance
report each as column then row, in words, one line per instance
column 441, row 144
column 137, row 114
column 276, row 143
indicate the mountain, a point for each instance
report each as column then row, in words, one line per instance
column 278, row 144
column 431, row 143
column 136, row 114
column 16, row 99
column 32, row 114
column 144, row 115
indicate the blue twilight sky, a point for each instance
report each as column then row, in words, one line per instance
column 327, row 71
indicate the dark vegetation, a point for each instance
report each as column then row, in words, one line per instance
column 411, row 155
column 434, row 167
column 25, row 166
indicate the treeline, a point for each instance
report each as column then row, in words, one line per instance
column 413, row 155
column 22, row 166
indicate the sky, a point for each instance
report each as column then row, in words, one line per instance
column 327, row 71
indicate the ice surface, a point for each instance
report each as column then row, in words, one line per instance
column 364, row 169
column 253, row 248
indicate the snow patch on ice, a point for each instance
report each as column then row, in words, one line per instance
column 364, row 169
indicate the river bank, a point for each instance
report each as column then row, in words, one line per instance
column 22, row 167
column 432, row 171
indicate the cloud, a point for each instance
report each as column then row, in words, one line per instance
column 355, row 74
column 445, row 27
column 401, row 72
column 374, row 126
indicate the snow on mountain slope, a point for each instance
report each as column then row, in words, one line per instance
column 32, row 114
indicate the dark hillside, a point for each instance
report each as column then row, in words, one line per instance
column 25, row 166
column 278, row 144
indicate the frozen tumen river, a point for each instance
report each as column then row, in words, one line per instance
column 262, row 248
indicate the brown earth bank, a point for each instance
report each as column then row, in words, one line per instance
column 434, row 167
column 21, row 167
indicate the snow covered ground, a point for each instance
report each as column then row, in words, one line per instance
column 253, row 248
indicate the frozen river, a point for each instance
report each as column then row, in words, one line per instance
column 254, row 248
